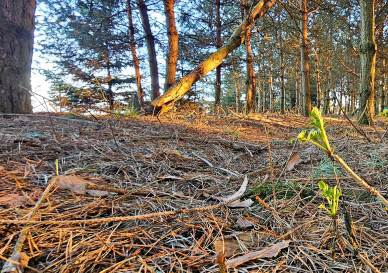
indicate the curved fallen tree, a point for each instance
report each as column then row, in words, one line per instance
column 176, row 92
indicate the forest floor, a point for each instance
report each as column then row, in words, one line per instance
column 142, row 195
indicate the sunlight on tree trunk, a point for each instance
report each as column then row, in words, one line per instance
column 182, row 86
column 251, row 78
column 140, row 92
column 368, row 50
column 172, row 33
column 304, row 53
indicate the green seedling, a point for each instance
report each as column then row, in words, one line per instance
column 318, row 137
column 332, row 196
column 57, row 166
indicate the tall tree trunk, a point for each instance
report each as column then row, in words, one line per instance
column 270, row 82
column 177, row 91
column 140, row 92
column 384, row 87
column 368, row 50
column 251, row 77
column 283, row 89
column 150, row 39
column 110, row 90
column 318, row 72
column 238, row 91
column 304, row 54
column 217, row 102
column 16, row 44
column 172, row 33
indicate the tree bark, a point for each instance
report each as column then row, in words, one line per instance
column 217, row 102
column 150, row 39
column 304, row 54
column 136, row 64
column 172, row 33
column 384, row 87
column 238, row 91
column 177, row 91
column 251, row 78
column 16, row 46
column 282, row 68
column 270, row 82
column 368, row 50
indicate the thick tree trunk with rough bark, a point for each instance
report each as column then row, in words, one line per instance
column 182, row 86
column 217, row 102
column 304, row 54
column 368, row 50
column 16, row 46
column 150, row 39
column 140, row 92
column 172, row 33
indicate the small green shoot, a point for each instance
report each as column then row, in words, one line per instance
column 332, row 195
column 57, row 166
column 318, row 135
column 319, row 138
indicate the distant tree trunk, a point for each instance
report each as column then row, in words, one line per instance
column 150, row 39
column 217, row 102
column 270, row 82
column 304, row 53
column 353, row 95
column 177, row 91
column 16, row 44
column 282, row 68
column 136, row 64
column 238, row 91
column 318, row 72
column 384, row 87
column 368, row 50
column 110, row 90
column 172, row 33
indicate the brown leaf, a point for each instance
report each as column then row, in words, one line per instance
column 269, row 252
column 78, row 185
column 12, row 200
column 227, row 247
column 294, row 160
column 244, row 223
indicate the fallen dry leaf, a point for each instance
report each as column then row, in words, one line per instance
column 294, row 160
column 244, row 223
column 78, row 185
column 227, row 247
column 269, row 252
column 12, row 199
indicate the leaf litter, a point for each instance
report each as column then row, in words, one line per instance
column 171, row 173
